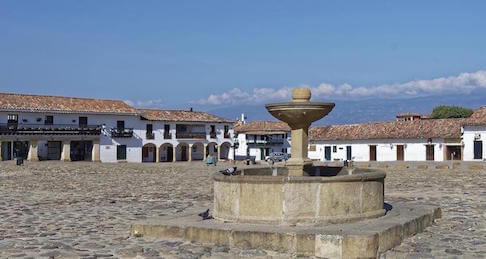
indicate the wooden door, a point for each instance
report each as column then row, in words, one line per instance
column 400, row 153
column 429, row 153
column 54, row 150
column 327, row 153
column 349, row 153
column 170, row 154
column 183, row 153
column 478, row 150
column 372, row 153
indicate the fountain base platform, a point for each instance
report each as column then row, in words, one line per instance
column 363, row 239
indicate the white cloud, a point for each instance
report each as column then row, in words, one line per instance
column 461, row 84
column 145, row 103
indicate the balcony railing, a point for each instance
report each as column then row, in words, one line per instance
column 122, row 133
column 149, row 135
column 265, row 142
column 54, row 129
column 190, row 135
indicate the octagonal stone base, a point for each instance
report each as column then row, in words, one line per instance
column 363, row 239
column 258, row 197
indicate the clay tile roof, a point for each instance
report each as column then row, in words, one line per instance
column 180, row 115
column 477, row 118
column 58, row 104
column 408, row 114
column 420, row 129
column 262, row 127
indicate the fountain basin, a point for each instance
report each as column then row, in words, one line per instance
column 331, row 196
column 297, row 113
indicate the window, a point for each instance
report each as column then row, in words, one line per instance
column 334, row 149
column 149, row 131
column 12, row 119
column 167, row 131
column 120, row 125
column 181, row 128
column 284, row 150
column 312, row 148
column 121, row 152
column 83, row 121
column 226, row 131
column 49, row 120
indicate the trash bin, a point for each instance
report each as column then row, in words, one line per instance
column 20, row 160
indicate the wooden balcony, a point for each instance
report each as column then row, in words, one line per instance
column 191, row 135
column 53, row 129
column 269, row 142
column 122, row 133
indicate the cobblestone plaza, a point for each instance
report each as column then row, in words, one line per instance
column 84, row 210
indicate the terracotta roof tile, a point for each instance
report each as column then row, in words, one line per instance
column 42, row 103
column 477, row 118
column 420, row 129
column 262, row 127
column 180, row 115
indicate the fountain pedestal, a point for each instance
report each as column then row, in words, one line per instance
column 298, row 162
column 299, row 115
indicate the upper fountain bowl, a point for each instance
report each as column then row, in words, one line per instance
column 300, row 112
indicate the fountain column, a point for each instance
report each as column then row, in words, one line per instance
column 299, row 115
column 299, row 152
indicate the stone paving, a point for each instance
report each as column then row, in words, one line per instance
column 84, row 210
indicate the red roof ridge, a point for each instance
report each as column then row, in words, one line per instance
column 60, row 96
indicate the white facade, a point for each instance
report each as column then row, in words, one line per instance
column 193, row 145
column 105, row 145
column 259, row 146
column 386, row 149
column 474, row 138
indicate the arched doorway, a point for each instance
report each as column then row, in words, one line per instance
column 198, row 151
column 212, row 149
column 166, row 153
column 225, row 151
column 182, row 152
column 148, row 153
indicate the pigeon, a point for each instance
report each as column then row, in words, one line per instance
column 205, row 215
column 229, row 171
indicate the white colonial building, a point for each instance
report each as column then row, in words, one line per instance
column 81, row 129
column 175, row 135
column 474, row 135
column 258, row 139
column 402, row 140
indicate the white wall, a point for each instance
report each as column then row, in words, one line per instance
column 108, row 145
column 469, row 136
column 386, row 150
column 243, row 145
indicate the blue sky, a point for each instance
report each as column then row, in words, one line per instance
column 180, row 53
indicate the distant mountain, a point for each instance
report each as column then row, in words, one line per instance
column 354, row 111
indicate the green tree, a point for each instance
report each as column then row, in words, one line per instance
column 446, row 112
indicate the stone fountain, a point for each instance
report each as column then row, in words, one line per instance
column 304, row 209
column 299, row 114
